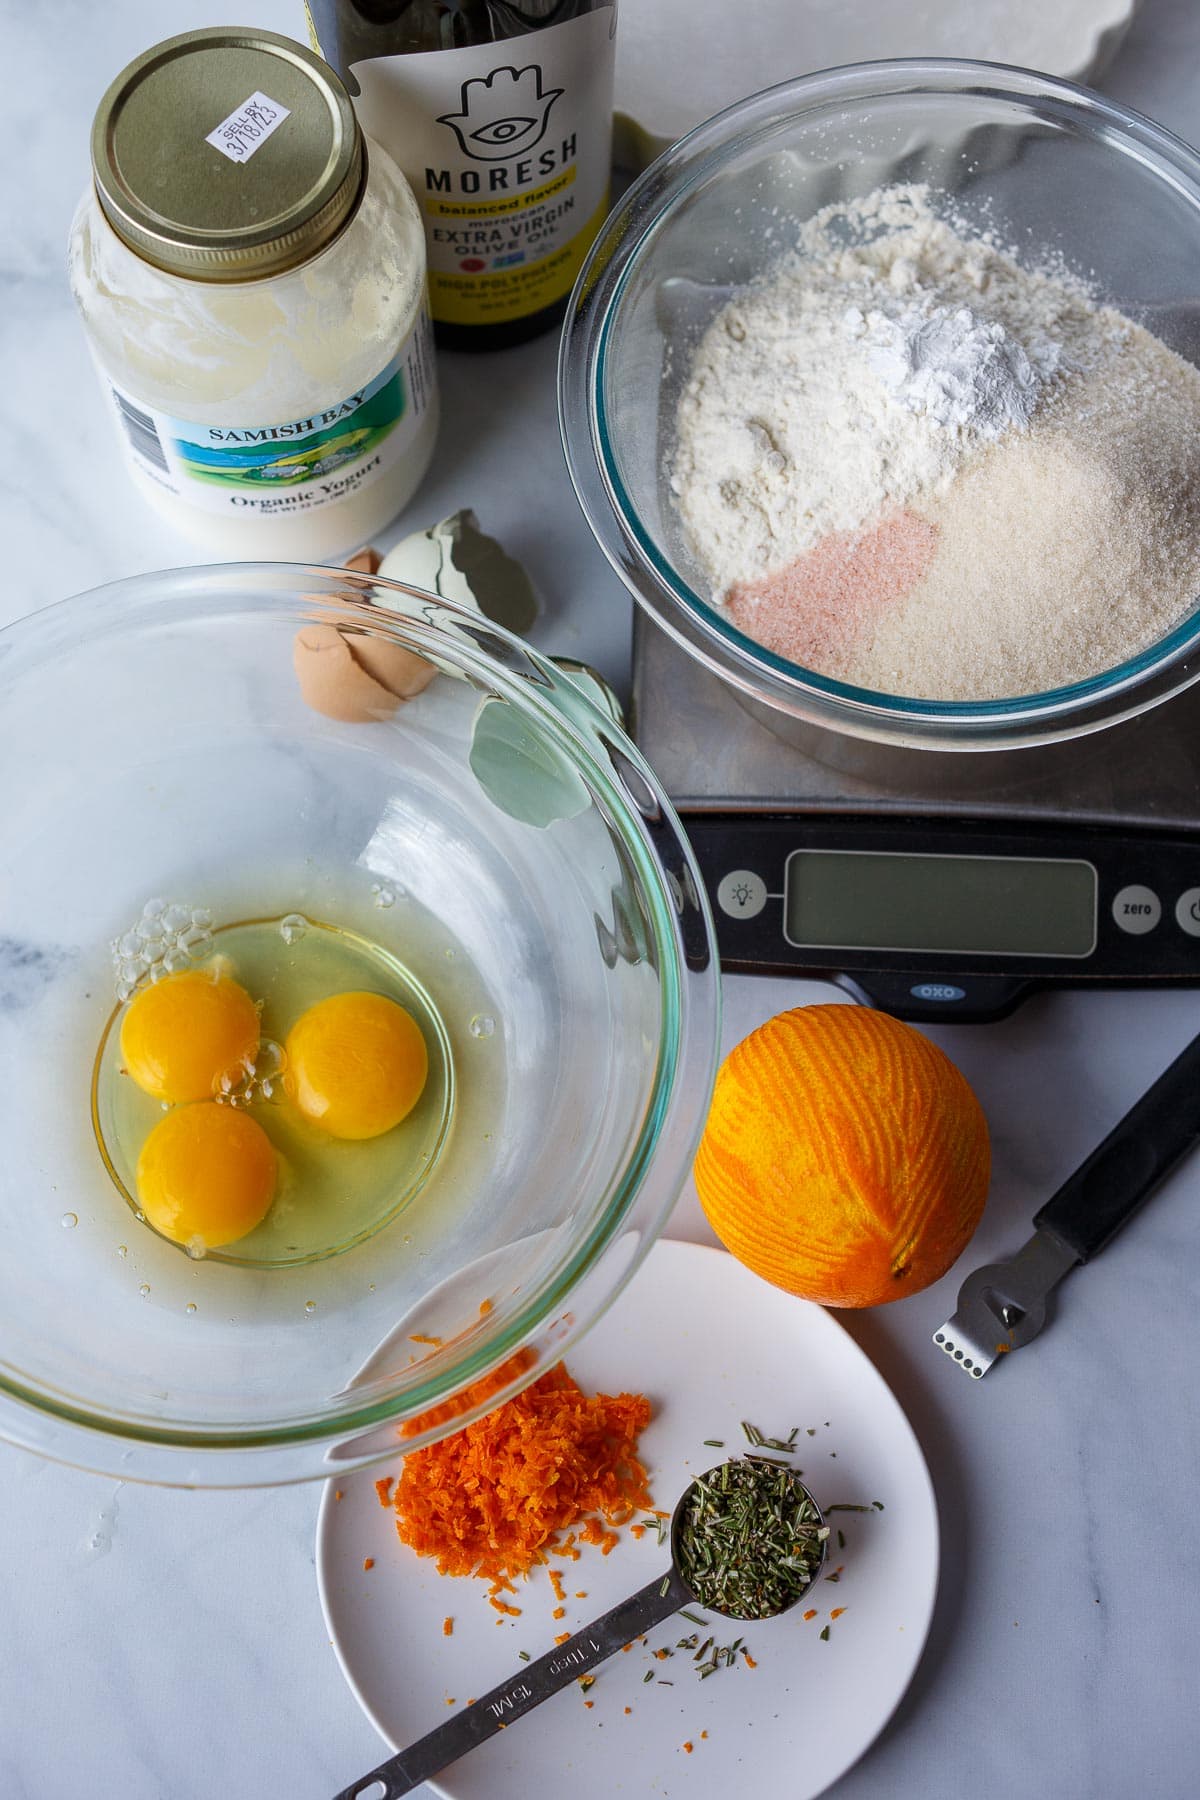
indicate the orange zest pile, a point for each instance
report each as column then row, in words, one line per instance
column 492, row 1499
column 475, row 1395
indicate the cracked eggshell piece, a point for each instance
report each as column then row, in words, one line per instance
column 365, row 561
column 401, row 672
column 349, row 675
column 458, row 561
column 355, row 678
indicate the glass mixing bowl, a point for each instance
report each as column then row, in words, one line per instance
column 1043, row 163
column 502, row 838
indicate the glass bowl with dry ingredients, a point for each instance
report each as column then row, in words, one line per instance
column 879, row 390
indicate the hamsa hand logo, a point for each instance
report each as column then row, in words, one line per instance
column 503, row 115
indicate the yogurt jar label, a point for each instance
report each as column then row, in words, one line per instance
column 289, row 465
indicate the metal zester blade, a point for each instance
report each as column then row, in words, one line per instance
column 1002, row 1306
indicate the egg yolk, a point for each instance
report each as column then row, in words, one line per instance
column 355, row 1064
column 179, row 1036
column 206, row 1175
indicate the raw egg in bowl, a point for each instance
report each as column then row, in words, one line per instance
column 320, row 1031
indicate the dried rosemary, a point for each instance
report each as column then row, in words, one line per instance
column 755, row 1437
column 750, row 1540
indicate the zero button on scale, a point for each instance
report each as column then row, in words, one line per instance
column 1137, row 909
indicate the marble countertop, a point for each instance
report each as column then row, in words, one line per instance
column 160, row 1643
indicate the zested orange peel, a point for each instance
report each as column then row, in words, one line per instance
column 845, row 1159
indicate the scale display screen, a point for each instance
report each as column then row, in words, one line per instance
column 973, row 905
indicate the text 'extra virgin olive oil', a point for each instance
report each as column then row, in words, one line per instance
column 501, row 118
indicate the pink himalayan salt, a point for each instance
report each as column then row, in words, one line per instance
column 825, row 603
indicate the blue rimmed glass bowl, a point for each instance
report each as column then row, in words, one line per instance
column 498, row 834
column 1040, row 161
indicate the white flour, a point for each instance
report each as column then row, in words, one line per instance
column 876, row 360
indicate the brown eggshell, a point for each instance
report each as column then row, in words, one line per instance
column 333, row 682
column 351, row 676
column 365, row 561
column 400, row 671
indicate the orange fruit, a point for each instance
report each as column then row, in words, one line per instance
column 845, row 1157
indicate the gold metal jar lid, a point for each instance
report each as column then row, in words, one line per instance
column 227, row 155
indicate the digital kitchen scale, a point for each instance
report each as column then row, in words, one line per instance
column 1076, row 864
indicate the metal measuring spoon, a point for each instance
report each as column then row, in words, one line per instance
column 633, row 1618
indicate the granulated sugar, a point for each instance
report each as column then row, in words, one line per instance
column 909, row 462
column 1060, row 552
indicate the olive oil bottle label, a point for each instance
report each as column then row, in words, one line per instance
column 506, row 147
column 284, row 465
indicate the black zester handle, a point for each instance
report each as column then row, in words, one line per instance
column 1140, row 1151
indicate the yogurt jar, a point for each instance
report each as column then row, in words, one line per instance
column 250, row 270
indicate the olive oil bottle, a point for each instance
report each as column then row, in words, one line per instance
column 500, row 115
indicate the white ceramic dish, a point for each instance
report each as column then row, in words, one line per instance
column 711, row 1345
column 776, row 39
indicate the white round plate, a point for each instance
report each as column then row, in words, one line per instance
column 765, row 41
column 710, row 1345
